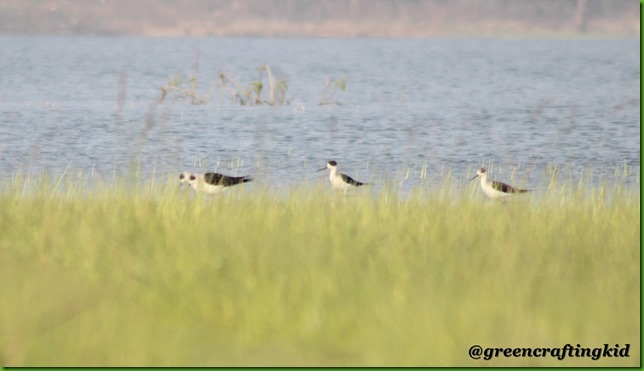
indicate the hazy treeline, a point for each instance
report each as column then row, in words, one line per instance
column 414, row 18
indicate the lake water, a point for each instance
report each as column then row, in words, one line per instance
column 410, row 104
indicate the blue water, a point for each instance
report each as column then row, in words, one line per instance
column 515, row 105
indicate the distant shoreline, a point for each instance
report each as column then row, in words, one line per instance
column 342, row 31
column 518, row 19
column 561, row 37
column 529, row 35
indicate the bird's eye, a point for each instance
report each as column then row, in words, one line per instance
column 181, row 176
column 192, row 177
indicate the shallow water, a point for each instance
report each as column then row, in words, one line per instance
column 411, row 105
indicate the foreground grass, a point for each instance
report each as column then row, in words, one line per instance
column 153, row 276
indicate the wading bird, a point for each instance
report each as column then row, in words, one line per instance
column 496, row 190
column 340, row 181
column 211, row 183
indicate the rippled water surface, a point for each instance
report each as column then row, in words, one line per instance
column 412, row 108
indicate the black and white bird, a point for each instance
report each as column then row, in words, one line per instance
column 494, row 189
column 340, row 181
column 211, row 183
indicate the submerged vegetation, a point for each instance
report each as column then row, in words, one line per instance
column 253, row 94
column 327, row 96
column 118, row 274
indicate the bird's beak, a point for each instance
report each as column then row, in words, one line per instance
column 324, row 168
column 474, row 177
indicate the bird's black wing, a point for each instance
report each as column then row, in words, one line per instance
column 347, row 179
column 225, row 180
column 506, row 188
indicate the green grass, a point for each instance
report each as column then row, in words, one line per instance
column 148, row 275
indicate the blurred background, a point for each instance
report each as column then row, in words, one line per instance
column 326, row 18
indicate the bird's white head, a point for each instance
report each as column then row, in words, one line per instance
column 479, row 172
column 192, row 180
column 330, row 165
column 184, row 177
